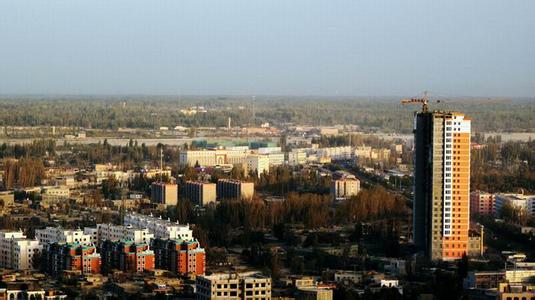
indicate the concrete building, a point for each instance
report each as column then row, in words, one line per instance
column 181, row 257
column 234, row 189
column 345, row 188
column 484, row 279
column 314, row 293
column 297, row 157
column 363, row 152
column 200, row 193
column 258, row 163
column 164, row 193
column 482, row 203
column 233, row 286
column 50, row 235
column 16, row 251
column 336, row 153
column 7, row 198
column 441, row 184
column 115, row 233
column 163, row 229
column 344, row 276
column 508, row 291
column 71, row 257
column 205, row 158
column 126, row 256
column 521, row 201
column 276, row 159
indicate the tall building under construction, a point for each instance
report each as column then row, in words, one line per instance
column 441, row 207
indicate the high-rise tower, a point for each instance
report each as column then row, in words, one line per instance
column 441, row 207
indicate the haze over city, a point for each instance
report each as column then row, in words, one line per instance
column 239, row 47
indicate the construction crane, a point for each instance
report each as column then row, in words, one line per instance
column 424, row 101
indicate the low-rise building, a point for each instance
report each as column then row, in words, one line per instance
column 233, row 286
column 520, row 201
column 344, row 276
column 343, row 189
column 482, row 203
column 314, row 293
column 7, row 198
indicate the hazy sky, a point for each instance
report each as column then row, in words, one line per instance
column 278, row 47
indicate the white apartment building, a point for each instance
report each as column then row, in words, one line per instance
column 524, row 202
column 213, row 157
column 24, row 250
column 276, row 158
column 50, row 235
column 122, row 233
column 267, row 150
column 163, row 229
column 297, row 157
column 258, row 163
column 336, row 153
column 16, row 251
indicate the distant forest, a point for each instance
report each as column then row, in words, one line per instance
column 385, row 115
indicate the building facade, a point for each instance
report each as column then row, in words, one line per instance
column 50, row 235
column 71, row 257
column 164, row 193
column 200, row 193
column 525, row 203
column 482, row 203
column 233, row 286
column 181, row 257
column 230, row 189
column 344, row 188
column 117, row 233
column 126, row 256
column 441, row 184
column 17, row 252
column 160, row 228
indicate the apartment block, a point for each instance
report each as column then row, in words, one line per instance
column 160, row 228
column 441, row 184
column 50, row 235
column 229, row 189
column 71, row 257
column 343, row 189
column 482, row 203
column 233, row 286
column 520, row 201
column 164, row 193
column 200, row 193
column 297, row 157
column 181, row 257
column 115, row 233
column 16, row 251
column 126, row 256
column 258, row 163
